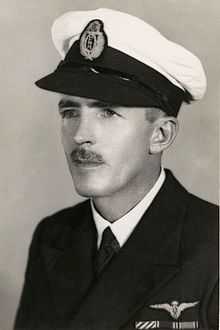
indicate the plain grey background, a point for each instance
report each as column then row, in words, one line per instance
column 34, row 176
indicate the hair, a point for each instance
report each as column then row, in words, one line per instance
column 152, row 114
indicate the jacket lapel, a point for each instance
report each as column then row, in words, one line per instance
column 69, row 266
column 149, row 259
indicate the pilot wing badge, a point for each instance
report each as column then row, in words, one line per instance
column 175, row 308
column 93, row 40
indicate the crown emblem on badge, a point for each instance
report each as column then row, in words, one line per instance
column 93, row 40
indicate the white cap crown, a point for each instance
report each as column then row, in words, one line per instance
column 139, row 40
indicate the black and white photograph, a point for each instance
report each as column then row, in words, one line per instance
column 109, row 165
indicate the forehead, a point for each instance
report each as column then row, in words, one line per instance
column 76, row 101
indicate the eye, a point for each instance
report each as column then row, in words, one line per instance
column 108, row 113
column 69, row 113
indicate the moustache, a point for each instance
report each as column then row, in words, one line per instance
column 81, row 155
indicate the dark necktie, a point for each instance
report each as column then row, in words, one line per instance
column 109, row 246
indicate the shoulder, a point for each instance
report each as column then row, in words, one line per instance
column 200, row 229
column 198, row 212
column 68, row 216
column 202, row 215
column 202, row 207
column 61, row 223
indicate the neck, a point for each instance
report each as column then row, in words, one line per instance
column 117, row 205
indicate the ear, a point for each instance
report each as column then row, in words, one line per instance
column 164, row 132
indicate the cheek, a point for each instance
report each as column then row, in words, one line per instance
column 67, row 138
column 129, row 151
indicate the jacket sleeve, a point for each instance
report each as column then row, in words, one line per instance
column 213, row 309
column 24, row 319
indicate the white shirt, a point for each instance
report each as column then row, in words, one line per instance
column 124, row 226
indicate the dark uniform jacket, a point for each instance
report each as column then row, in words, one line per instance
column 164, row 277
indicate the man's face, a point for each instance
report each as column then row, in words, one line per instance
column 106, row 146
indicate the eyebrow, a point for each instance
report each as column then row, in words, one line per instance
column 101, row 104
column 97, row 104
column 67, row 104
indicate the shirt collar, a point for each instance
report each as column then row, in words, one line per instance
column 123, row 227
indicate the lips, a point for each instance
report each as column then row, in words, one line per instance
column 83, row 162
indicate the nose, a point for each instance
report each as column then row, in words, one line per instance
column 84, row 132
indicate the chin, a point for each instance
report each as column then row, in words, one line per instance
column 92, row 189
column 86, row 191
column 91, row 184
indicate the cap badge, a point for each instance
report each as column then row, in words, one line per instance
column 93, row 40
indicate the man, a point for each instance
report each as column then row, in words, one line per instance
column 141, row 252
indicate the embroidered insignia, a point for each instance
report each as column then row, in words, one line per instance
column 93, row 40
column 174, row 309
column 143, row 325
